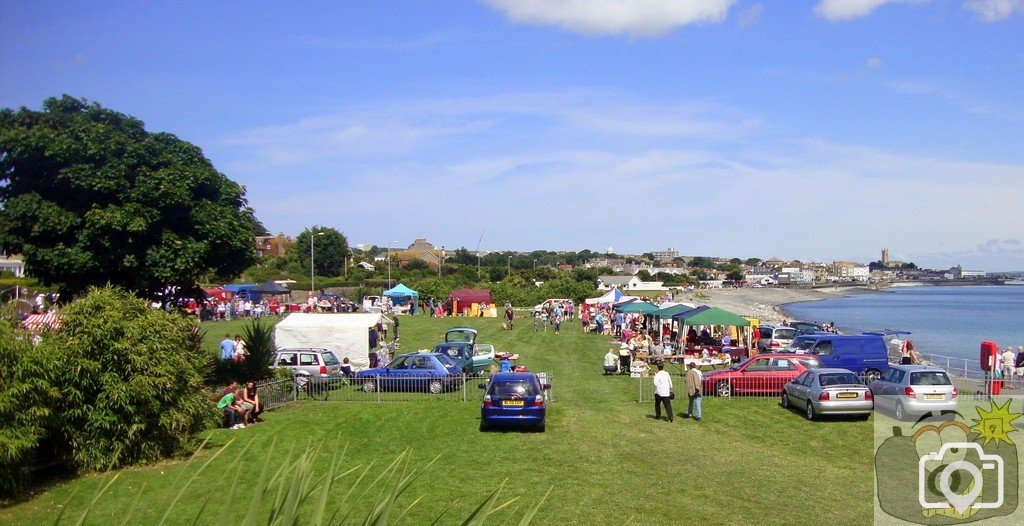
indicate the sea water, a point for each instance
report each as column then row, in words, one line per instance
column 943, row 320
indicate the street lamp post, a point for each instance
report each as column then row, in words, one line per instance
column 440, row 261
column 312, row 278
column 535, row 265
column 389, row 262
column 510, row 265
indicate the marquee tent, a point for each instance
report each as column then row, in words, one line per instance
column 705, row 315
column 638, row 306
column 345, row 334
column 401, row 291
column 269, row 287
column 612, row 296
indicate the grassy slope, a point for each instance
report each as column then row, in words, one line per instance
column 609, row 463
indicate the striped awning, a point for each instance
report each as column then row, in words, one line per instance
column 37, row 323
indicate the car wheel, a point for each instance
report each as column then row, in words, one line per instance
column 484, row 426
column 785, row 400
column 369, row 386
column 435, row 387
column 540, row 428
column 723, row 389
column 901, row 413
column 871, row 375
column 810, row 414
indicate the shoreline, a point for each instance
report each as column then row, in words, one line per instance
column 768, row 305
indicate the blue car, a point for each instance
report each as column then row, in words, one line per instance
column 423, row 371
column 514, row 400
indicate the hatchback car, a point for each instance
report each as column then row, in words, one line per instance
column 469, row 358
column 910, row 390
column 828, row 391
column 759, row 375
column 513, row 399
column 320, row 365
column 423, row 371
column 774, row 339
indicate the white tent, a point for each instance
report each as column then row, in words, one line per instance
column 613, row 296
column 345, row 334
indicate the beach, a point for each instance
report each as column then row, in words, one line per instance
column 766, row 304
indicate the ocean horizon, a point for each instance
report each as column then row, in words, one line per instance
column 946, row 321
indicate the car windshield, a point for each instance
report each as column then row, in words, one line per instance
column 329, row 358
column 514, row 389
column 459, row 336
column 828, row 379
column 452, row 351
column 929, row 378
column 445, row 361
column 785, row 334
column 801, row 345
column 809, row 363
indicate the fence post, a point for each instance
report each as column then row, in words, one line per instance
column 463, row 386
column 376, row 383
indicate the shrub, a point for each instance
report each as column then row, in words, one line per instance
column 25, row 398
column 130, row 379
column 259, row 341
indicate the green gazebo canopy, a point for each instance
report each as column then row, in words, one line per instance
column 711, row 316
column 638, row 306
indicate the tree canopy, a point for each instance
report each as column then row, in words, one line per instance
column 89, row 197
column 330, row 250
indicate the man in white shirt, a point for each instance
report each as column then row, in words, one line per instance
column 611, row 362
column 662, row 392
column 1008, row 368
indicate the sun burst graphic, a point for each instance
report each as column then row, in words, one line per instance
column 996, row 423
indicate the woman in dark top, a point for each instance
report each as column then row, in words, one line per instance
column 249, row 394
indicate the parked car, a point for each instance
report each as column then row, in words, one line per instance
column 864, row 354
column 774, row 339
column 911, row 390
column 321, row 365
column 513, row 399
column 828, row 391
column 468, row 358
column 761, row 374
column 423, row 371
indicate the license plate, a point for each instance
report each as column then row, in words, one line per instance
column 933, row 397
column 512, row 403
column 846, row 395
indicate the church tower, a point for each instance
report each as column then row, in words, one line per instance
column 885, row 257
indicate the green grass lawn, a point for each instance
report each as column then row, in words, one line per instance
column 606, row 460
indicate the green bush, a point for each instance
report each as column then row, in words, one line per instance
column 130, row 378
column 25, row 399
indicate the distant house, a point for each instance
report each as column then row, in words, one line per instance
column 628, row 283
column 13, row 264
column 365, row 266
column 422, row 250
column 273, row 245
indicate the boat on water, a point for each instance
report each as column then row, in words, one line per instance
column 1018, row 281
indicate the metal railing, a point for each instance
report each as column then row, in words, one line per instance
column 458, row 388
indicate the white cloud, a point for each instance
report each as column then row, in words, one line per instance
column 848, row 9
column 648, row 18
column 750, row 16
column 995, row 10
column 874, row 62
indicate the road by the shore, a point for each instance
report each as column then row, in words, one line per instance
column 764, row 303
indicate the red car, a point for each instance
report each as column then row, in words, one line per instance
column 759, row 375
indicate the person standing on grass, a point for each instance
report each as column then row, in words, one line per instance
column 509, row 315
column 227, row 348
column 239, row 350
column 662, row 392
column 694, row 381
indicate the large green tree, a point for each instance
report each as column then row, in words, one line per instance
column 90, row 197
column 330, row 250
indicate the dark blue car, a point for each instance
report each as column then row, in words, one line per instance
column 514, row 400
column 422, row 371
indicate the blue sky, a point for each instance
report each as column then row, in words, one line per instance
column 810, row 129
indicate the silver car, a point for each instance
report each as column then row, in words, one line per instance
column 774, row 339
column 321, row 365
column 828, row 391
column 909, row 390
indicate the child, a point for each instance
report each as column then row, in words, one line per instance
column 536, row 318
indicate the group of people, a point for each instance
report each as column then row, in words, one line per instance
column 241, row 405
column 553, row 314
column 233, row 349
column 1011, row 366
